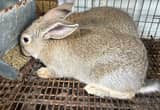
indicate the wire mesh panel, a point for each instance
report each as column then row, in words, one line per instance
column 146, row 13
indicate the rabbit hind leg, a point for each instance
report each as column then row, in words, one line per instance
column 43, row 72
column 104, row 91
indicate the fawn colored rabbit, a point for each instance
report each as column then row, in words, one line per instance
column 108, row 57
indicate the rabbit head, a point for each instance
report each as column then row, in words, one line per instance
column 49, row 27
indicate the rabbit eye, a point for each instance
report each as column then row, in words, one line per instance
column 26, row 40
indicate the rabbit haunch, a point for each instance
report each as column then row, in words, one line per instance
column 108, row 57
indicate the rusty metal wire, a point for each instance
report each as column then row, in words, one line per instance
column 33, row 93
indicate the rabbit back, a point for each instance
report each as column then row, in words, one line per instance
column 108, row 17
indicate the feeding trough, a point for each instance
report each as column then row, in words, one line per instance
column 15, row 15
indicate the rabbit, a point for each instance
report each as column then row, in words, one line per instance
column 111, row 63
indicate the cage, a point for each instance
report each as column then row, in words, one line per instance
column 33, row 93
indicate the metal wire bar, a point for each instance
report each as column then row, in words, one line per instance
column 153, row 18
column 114, row 3
column 77, row 5
column 106, row 2
column 134, row 8
column 140, row 12
column 146, row 18
column 157, row 28
column 128, row 5
column 85, row 4
column 121, row 4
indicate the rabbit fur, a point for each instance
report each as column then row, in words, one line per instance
column 109, row 58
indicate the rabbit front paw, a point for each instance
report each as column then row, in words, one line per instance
column 44, row 73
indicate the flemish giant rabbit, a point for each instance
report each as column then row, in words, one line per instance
column 110, row 61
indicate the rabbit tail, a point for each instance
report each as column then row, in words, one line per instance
column 150, row 86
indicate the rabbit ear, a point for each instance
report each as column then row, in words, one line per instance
column 59, row 31
column 59, row 12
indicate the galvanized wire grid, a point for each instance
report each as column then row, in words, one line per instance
column 146, row 13
column 33, row 93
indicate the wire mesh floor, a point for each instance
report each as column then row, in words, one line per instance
column 33, row 93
